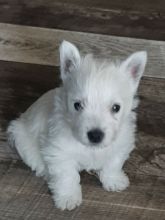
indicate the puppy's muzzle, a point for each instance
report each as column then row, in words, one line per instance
column 95, row 136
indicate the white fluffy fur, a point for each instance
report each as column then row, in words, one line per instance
column 51, row 136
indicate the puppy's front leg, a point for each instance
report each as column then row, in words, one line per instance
column 112, row 176
column 65, row 185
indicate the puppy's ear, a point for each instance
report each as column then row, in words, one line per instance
column 69, row 59
column 134, row 66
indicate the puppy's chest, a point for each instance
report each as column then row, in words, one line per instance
column 93, row 159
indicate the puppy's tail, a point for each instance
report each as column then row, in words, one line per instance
column 26, row 146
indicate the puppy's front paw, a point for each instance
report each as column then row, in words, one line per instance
column 68, row 200
column 115, row 182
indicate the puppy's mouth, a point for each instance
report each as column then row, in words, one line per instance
column 96, row 145
column 88, row 144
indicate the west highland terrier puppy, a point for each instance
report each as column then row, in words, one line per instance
column 86, row 124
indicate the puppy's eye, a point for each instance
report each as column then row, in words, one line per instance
column 78, row 106
column 115, row 108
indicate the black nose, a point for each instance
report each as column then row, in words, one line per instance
column 95, row 136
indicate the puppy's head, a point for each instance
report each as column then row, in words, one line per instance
column 99, row 94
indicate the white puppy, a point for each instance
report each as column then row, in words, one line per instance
column 86, row 124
